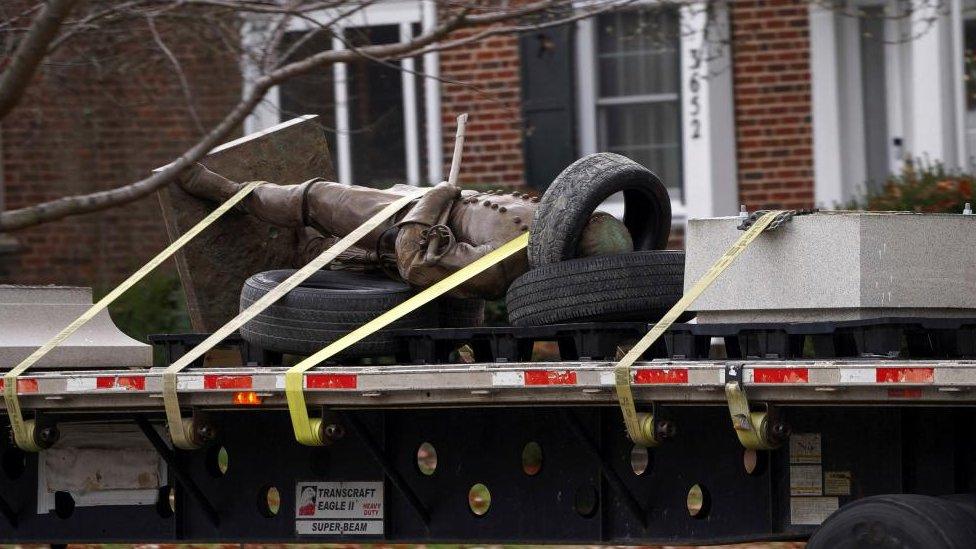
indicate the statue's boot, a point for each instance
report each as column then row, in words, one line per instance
column 203, row 183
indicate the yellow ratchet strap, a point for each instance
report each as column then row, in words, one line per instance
column 24, row 430
column 641, row 432
column 308, row 431
column 181, row 430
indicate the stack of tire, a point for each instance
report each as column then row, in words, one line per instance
column 562, row 287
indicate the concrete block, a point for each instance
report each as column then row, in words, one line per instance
column 838, row 266
column 31, row 315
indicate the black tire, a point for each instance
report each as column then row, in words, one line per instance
column 631, row 286
column 577, row 191
column 454, row 312
column 903, row 521
column 324, row 308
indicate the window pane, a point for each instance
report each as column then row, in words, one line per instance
column 310, row 93
column 637, row 52
column 376, row 113
column 647, row 133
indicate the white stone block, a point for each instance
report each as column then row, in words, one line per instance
column 32, row 315
column 838, row 266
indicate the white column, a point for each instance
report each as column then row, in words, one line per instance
column 586, row 75
column 932, row 104
column 432, row 100
column 708, row 119
column 343, row 138
column 957, row 83
column 410, row 128
column 827, row 150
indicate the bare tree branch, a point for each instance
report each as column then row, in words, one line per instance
column 30, row 53
column 74, row 205
column 184, row 85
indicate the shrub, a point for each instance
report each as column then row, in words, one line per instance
column 922, row 186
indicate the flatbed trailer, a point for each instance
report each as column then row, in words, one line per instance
column 420, row 447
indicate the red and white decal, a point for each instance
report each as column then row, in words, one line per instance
column 657, row 376
column 777, row 375
column 23, row 385
column 106, row 383
column 533, row 378
column 331, row 381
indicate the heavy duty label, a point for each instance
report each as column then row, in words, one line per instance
column 339, row 508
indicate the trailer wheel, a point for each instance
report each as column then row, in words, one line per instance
column 577, row 191
column 632, row 286
column 324, row 308
column 902, row 520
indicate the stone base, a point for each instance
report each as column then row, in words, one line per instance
column 32, row 315
column 838, row 266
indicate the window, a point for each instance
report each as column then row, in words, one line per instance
column 638, row 111
column 382, row 120
column 655, row 84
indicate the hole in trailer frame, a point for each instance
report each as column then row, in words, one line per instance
column 479, row 499
column 698, row 502
column 640, row 460
column 427, row 459
column 64, row 504
column 217, row 461
column 269, row 501
column 532, row 458
column 166, row 501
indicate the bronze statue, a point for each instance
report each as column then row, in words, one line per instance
column 433, row 237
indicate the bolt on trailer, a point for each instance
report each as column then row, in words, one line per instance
column 824, row 390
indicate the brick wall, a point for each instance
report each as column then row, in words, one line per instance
column 491, row 94
column 771, row 69
column 104, row 113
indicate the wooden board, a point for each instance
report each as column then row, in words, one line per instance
column 214, row 266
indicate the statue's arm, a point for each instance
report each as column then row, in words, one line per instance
column 427, row 250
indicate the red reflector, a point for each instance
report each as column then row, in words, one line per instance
column 136, row 383
column 905, row 393
column 669, row 375
column 330, row 381
column 905, row 375
column 550, row 377
column 780, row 375
column 226, row 382
column 23, row 385
column 247, row 398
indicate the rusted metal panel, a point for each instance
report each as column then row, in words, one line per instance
column 213, row 267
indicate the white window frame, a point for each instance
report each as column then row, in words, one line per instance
column 404, row 14
column 709, row 168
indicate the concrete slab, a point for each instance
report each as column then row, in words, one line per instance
column 31, row 315
column 838, row 266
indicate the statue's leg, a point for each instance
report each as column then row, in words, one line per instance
column 280, row 205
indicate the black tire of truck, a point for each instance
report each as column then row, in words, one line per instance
column 900, row 520
column 576, row 193
column 327, row 306
column 632, row 286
